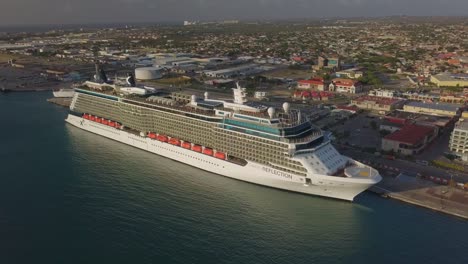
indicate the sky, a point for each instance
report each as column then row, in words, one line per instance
column 27, row 12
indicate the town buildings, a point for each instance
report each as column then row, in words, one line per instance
column 382, row 93
column 453, row 99
column 397, row 119
column 442, row 109
column 332, row 62
column 410, row 139
column 379, row 104
column 341, row 85
column 353, row 73
column 450, row 80
column 313, row 84
column 459, row 139
column 312, row 95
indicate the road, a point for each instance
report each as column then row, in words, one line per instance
column 404, row 165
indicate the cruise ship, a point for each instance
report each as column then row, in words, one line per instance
column 278, row 148
column 64, row 93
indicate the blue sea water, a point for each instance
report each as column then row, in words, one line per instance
column 69, row 196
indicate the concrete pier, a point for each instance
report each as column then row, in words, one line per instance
column 423, row 193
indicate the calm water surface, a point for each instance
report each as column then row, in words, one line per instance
column 69, row 196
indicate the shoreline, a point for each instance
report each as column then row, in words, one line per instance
column 435, row 204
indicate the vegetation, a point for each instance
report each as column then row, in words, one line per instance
column 447, row 165
column 370, row 78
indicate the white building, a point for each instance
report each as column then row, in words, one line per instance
column 459, row 139
column 382, row 93
column 148, row 73
column 243, row 70
column 260, row 95
column 353, row 73
column 345, row 86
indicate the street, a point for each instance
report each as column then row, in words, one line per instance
column 404, row 165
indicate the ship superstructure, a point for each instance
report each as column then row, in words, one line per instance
column 64, row 93
column 274, row 147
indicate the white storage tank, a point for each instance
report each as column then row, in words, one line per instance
column 148, row 73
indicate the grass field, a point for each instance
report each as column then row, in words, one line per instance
column 4, row 57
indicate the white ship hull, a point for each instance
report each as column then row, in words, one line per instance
column 322, row 185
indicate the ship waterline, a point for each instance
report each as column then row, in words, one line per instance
column 327, row 186
column 247, row 141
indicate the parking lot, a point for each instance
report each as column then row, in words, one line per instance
column 361, row 131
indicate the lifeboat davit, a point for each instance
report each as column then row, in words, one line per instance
column 152, row 135
column 197, row 148
column 220, row 155
column 174, row 141
column 162, row 138
column 208, row 151
column 186, row 145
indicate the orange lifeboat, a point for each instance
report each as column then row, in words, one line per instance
column 161, row 138
column 118, row 125
column 105, row 122
column 86, row 116
column 197, row 148
column 152, row 135
column 208, row 151
column 220, row 155
column 186, row 145
column 92, row 118
column 111, row 123
column 98, row 120
column 174, row 141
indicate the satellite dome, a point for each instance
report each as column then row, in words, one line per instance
column 271, row 112
column 286, row 107
column 206, row 95
column 194, row 98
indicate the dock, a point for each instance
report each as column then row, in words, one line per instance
column 441, row 198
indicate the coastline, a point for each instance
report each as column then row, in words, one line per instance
column 443, row 199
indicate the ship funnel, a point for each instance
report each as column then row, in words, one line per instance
column 271, row 112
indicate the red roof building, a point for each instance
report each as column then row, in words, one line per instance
column 314, row 84
column 410, row 139
column 376, row 103
column 341, row 85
